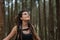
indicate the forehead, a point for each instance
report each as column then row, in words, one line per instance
column 24, row 12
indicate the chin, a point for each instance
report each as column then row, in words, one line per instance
column 27, row 19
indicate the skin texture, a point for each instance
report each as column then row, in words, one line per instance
column 11, row 34
column 25, row 18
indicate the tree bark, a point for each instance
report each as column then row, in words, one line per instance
column 51, row 21
column 1, row 19
column 58, row 18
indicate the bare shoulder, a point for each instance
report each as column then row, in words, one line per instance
column 15, row 28
column 12, row 33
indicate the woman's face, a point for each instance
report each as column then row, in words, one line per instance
column 25, row 16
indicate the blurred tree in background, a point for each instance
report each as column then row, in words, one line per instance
column 1, row 19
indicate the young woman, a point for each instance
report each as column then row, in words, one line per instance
column 23, row 29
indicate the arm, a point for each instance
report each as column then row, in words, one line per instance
column 12, row 33
column 38, row 38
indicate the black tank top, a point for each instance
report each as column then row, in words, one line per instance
column 27, row 36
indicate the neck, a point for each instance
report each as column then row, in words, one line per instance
column 24, row 23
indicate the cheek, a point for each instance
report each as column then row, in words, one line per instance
column 24, row 17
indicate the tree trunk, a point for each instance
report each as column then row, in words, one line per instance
column 58, row 18
column 1, row 19
column 51, row 21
